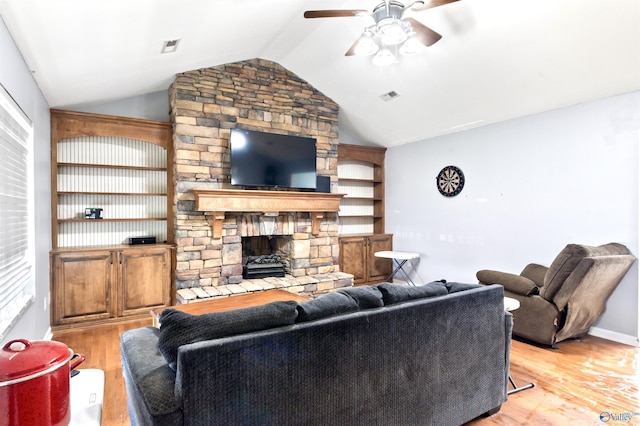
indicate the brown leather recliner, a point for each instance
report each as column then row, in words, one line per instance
column 565, row 299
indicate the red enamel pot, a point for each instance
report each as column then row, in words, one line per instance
column 34, row 382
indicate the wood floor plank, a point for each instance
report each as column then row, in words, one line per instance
column 101, row 347
column 573, row 384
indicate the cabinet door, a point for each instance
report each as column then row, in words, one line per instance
column 353, row 258
column 379, row 268
column 144, row 280
column 81, row 287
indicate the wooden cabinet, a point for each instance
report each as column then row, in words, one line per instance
column 144, row 280
column 361, row 179
column 104, row 285
column 123, row 168
column 81, row 286
column 357, row 257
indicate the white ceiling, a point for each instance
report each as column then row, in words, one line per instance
column 497, row 60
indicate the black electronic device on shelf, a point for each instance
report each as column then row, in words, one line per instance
column 142, row 240
column 323, row 184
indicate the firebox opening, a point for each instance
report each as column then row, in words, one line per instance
column 265, row 256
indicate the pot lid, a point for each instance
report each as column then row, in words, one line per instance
column 21, row 358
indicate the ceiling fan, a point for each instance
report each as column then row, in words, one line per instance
column 390, row 30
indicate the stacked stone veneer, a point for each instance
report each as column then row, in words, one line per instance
column 253, row 95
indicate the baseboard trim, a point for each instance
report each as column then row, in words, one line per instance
column 615, row 336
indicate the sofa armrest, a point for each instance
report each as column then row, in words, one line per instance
column 511, row 282
column 149, row 381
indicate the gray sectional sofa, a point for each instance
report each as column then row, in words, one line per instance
column 383, row 355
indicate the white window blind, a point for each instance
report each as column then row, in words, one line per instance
column 17, row 286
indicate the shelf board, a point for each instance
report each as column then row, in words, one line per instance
column 346, row 197
column 112, row 166
column 101, row 247
column 341, row 179
column 144, row 219
column 152, row 194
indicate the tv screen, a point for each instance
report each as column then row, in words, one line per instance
column 267, row 159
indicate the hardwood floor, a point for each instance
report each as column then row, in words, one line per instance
column 573, row 385
column 101, row 347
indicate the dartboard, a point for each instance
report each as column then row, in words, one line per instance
column 450, row 181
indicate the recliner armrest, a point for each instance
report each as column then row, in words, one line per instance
column 511, row 282
column 535, row 273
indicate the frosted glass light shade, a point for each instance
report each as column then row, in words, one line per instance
column 366, row 45
column 391, row 32
column 411, row 46
column 384, row 58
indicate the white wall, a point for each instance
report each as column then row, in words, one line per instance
column 532, row 185
column 17, row 79
column 150, row 106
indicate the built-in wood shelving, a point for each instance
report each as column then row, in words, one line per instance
column 122, row 165
column 361, row 179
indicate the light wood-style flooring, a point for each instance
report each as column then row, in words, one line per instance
column 573, row 384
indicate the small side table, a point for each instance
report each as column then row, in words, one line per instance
column 511, row 304
column 399, row 258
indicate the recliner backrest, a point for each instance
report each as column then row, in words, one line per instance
column 567, row 261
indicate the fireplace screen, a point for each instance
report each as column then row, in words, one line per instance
column 265, row 256
column 267, row 265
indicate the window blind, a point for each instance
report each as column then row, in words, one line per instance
column 17, row 286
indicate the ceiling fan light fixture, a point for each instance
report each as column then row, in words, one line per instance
column 391, row 31
column 366, row 46
column 411, row 47
column 384, row 58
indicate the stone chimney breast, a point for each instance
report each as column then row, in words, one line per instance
column 257, row 95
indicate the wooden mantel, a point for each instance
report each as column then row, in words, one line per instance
column 216, row 202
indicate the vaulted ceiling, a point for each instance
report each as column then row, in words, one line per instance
column 497, row 59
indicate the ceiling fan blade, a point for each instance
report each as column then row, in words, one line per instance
column 425, row 35
column 352, row 49
column 334, row 13
column 433, row 3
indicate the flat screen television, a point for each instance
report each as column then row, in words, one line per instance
column 272, row 160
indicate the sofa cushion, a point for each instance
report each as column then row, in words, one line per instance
column 366, row 297
column 456, row 287
column 326, row 305
column 147, row 376
column 393, row 293
column 179, row 328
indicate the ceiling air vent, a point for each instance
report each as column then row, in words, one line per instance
column 170, row 46
column 389, row 95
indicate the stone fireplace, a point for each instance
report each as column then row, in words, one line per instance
column 212, row 218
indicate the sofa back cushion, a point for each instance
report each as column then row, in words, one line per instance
column 453, row 287
column 366, row 297
column 325, row 306
column 568, row 259
column 393, row 293
column 179, row 328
